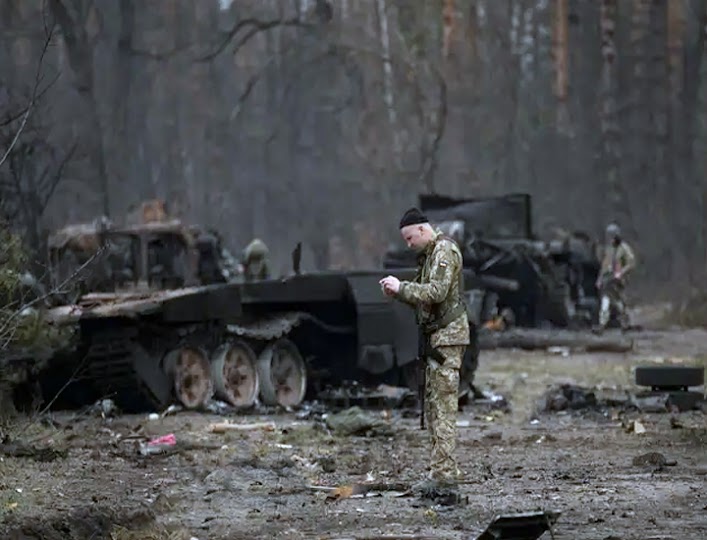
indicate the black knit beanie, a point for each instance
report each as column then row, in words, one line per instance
column 413, row 217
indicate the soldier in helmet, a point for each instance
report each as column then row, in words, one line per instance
column 442, row 317
column 255, row 263
column 616, row 265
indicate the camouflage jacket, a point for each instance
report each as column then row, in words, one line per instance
column 436, row 290
column 618, row 258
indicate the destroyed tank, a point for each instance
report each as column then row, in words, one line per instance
column 527, row 281
column 158, row 317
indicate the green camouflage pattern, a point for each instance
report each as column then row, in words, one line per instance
column 436, row 290
column 618, row 258
column 441, row 412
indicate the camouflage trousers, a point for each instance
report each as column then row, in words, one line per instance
column 613, row 297
column 441, row 404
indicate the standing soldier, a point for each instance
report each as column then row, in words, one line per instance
column 255, row 263
column 441, row 313
column 617, row 263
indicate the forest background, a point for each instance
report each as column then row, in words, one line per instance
column 321, row 121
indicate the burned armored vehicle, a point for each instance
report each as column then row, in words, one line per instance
column 528, row 281
column 163, row 319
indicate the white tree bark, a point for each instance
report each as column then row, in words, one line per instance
column 388, row 83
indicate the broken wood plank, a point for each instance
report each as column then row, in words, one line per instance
column 223, row 427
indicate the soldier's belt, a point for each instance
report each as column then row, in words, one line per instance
column 445, row 320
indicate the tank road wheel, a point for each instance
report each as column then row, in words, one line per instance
column 191, row 371
column 234, row 374
column 282, row 374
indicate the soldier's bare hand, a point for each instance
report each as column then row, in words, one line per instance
column 390, row 284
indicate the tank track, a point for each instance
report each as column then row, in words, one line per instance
column 110, row 371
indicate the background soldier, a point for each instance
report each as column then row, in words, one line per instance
column 255, row 263
column 618, row 261
column 435, row 294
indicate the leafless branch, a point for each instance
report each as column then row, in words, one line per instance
column 54, row 182
column 32, row 101
column 429, row 154
column 19, row 114
column 254, row 27
column 6, row 327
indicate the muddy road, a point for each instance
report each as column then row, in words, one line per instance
column 256, row 483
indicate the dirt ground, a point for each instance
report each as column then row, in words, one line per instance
column 255, row 484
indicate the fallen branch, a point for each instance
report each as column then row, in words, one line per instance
column 543, row 339
column 360, row 490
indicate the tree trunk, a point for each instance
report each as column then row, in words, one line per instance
column 561, row 56
column 473, row 35
column 388, row 82
column 686, row 129
column 611, row 135
column 447, row 26
column 80, row 53
column 701, row 180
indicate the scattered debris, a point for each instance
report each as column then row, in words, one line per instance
column 523, row 526
column 173, row 409
column 352, row 394
column 651, row 403
column 105, row 408
column 488, row 401
column 215, row 406
column 568, row 396
column 561, row 351
column 636, row 427
column 20, row 449
column 373, row 489
column 223, row 427
column 653, row 459
column 436, row 493
column 159, row 445
column 355, row 421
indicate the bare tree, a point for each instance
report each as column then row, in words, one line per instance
column 561, row 54
column 74, row 18
column 611, row 135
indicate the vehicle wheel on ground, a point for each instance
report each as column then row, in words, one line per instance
column 282, row 374
column 190, row 368
column 670, row 377
column 234, row 374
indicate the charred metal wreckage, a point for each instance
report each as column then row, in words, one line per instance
column 525, row 281
column 164, row 312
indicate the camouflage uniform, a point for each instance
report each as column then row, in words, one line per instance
column 435, row 293
column 255, row 264
column 617, row 258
